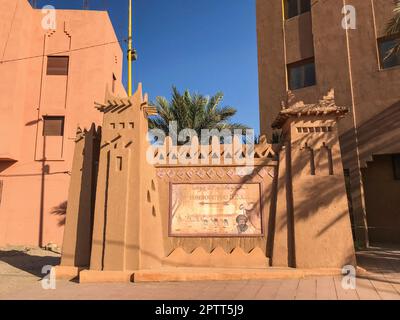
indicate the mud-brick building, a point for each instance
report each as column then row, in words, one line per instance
column 304, row 47
column 51, row 72
column 140, row 215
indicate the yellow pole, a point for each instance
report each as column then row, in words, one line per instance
column 130, row 50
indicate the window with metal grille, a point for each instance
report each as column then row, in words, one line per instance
column 57, row 65
column 296, row 7
column 301, row 74
column 53, row 126
column 385, row 45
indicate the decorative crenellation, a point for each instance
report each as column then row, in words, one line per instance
column 236, row 153
column 212, row 174
column 292, row 108
column 84, row 133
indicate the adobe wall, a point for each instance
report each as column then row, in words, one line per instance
column 153, row 213
column 81, row 198
column 245, row 249
column 321, row 222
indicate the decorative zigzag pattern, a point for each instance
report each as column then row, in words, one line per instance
column 217, row 258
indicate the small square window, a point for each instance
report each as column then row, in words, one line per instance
column 301, row 74
column 296, row 7
column 53, row 126
column 385, row 45
column 57, row 65
column 396, row 166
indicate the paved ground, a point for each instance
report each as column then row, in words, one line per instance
column 20, row 273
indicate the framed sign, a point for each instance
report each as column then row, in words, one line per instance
column 215, row 210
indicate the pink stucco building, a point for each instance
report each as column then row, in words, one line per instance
column 49, row 82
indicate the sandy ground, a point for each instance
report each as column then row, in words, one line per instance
column 21, row 267
column 21, row 273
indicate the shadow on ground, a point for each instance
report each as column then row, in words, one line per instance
column 30, row 263
column 382, row 263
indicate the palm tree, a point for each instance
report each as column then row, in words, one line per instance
column 393, row 29
column 193, row 111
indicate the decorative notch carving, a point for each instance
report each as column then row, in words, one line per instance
column 328, row 154
column 311, row 159
column 314, row 129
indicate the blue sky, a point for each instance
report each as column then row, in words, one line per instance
column 202, row 45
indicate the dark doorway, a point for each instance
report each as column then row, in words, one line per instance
column 382, row 199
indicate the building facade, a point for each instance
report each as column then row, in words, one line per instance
column 53, row 66
column 309, row 47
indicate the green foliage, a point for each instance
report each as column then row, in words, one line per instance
column 193, row 111
column 393, row 29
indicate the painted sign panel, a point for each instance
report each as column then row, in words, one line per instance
column 215, row 210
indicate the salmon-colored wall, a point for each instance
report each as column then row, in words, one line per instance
column 27, row 94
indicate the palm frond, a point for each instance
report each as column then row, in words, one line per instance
column 193, row 111
column 393, row 26
column 393, row 29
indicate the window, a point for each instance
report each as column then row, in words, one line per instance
column 57, row 65
column 384, row 45
column 396, row 166
column 53, row 126
column 296, row 7
column 301, row 74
